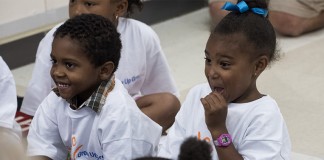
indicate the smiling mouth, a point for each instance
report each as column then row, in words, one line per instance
column 62, row 85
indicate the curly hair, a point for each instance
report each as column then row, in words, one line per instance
column 194, row 149
column 256, row 28
column 96, row 35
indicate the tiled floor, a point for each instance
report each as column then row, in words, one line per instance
column 296, row 81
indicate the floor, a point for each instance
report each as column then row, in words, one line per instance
column 296, row 81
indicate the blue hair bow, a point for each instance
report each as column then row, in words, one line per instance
column 243, row 7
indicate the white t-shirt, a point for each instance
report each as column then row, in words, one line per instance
column 119, row 131
column 257, row 128
column 142, row 69
column 8, row 96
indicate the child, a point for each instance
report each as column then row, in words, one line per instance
column 10, row 132
column 143, row 68
column 89, row 115
column 229, row 111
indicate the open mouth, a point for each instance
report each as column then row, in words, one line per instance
column 62, row 85
column 218, row 90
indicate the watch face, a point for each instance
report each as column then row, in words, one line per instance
column 225, row 140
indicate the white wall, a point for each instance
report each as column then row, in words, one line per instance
column 18, row 17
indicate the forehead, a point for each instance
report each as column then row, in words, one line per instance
column 233, row 43
column 65, row 46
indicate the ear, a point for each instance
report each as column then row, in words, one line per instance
column 121, row 8
column 106, row 70
column 261, row 64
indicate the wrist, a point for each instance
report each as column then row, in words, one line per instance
column 216, row 132
column 224, row 140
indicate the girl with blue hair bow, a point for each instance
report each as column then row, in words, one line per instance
column 229, row 111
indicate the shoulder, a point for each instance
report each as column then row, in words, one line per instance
column 130, row 26
column 45, row 45
column 262, row 111
column 52, row 103
column 51, row 32
column 267, row 105
column 192, row 99
column 199, row 90
column 118, row 101
column 133, row 24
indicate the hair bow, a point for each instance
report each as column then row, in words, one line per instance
column 243, row 7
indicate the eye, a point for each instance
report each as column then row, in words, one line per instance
column 207, row 61
column 72, row 1
column 53, row 61
column 89, row 4
column 69, row 65
column 225, row 65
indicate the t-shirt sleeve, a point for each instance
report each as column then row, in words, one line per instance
column 158, row 74
column 265, row 136
column 43, row 137
column 8, row 96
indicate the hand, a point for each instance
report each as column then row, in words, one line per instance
column 215, row 107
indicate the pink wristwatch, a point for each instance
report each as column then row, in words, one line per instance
column 223, row 140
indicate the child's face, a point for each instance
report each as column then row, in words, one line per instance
column 105, row 8
column 72, row 71
column 229, row 68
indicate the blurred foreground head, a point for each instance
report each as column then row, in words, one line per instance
column 11, row 147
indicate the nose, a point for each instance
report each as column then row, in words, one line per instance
column 77, row 9
column 57, row 71
column 211, row 72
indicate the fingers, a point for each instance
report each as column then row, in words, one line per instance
column 220, row 98
column 213, row 101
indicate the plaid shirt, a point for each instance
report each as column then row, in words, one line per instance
column 96, row 100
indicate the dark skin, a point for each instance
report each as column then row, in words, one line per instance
column 231, row 71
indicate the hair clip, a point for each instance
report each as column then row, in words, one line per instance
column 243, row 7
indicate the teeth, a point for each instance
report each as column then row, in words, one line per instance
column 63, row 85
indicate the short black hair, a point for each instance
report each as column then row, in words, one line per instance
column 194, row 149
column 256, row 28
column 133, row 4
column 96, row 35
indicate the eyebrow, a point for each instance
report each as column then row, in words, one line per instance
column 225, row 56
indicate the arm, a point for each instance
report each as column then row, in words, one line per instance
column 44, row 137
column 215, row 112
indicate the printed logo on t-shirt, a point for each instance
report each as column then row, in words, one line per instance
column 78, row 153
column 127, row 81
column 206, row 138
